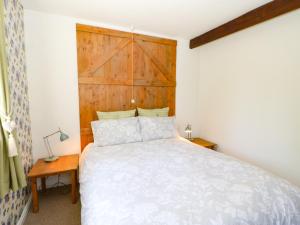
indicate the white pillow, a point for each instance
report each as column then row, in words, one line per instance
column 157, row 128
column 116, row 131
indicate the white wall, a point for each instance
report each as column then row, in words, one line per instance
column 52, row 79
column 249, row 95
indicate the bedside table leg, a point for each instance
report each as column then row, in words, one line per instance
column 35, row 197
column 74, row 185
column 43, row 181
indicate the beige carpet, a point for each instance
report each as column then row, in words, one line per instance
column 55, row 209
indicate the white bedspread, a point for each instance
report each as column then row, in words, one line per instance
column 172, row 182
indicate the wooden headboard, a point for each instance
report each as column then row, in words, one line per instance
column 116, row 66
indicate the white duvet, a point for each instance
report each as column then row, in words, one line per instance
column 173, row 182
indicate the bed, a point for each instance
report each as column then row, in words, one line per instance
column 165, row 181
column 175, row 182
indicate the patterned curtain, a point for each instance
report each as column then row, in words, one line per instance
column 12, row 175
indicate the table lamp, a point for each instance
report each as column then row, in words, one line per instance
column 62, row 138
column 188, row 130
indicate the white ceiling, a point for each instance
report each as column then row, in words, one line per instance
column 174, row 18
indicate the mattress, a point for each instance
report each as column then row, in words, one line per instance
column 175, row 182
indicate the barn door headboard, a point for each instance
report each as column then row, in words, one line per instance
column 116, row 66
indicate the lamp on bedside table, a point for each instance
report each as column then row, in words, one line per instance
column 62, row 138
column 188, row 130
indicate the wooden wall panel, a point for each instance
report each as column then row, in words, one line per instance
column 110, row 74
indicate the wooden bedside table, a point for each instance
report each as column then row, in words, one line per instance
column 204, row 143
column 41, row 169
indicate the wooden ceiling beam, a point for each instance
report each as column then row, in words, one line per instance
column 268, row 11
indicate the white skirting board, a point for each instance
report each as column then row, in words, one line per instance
column 25, row 211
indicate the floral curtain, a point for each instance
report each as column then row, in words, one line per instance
column 12, row 175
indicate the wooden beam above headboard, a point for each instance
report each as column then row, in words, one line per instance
column 116, row 66
column 263, row 13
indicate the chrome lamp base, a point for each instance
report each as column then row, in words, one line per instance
column 189, row 136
